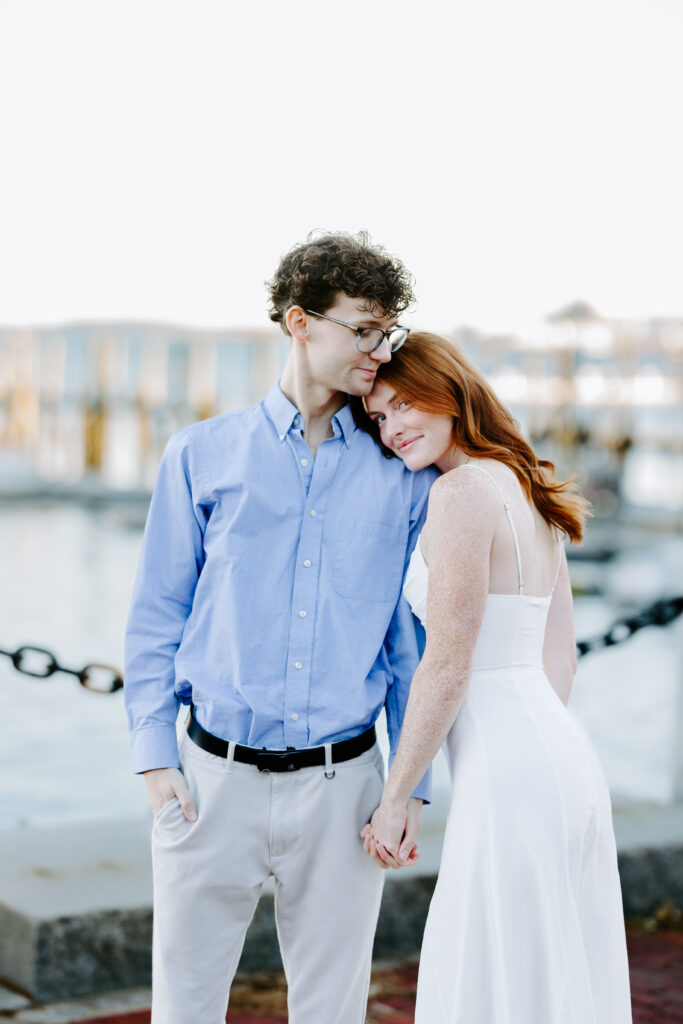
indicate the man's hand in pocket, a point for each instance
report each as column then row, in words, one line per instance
column 163, row 784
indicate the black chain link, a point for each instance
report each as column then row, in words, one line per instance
column 661, row 613
column 41, row 664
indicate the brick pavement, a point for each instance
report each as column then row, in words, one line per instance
column 656, row 961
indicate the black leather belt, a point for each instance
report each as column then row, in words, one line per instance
column 280, row 760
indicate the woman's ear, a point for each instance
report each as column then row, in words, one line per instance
column 297, row 324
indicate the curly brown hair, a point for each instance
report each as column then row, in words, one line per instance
column 312, row 274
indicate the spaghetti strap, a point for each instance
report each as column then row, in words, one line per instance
column 508, row 513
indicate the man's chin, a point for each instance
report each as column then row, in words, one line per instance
column 361, row 388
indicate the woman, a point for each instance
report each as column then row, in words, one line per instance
column 526, row 922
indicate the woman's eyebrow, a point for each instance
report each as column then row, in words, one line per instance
column 376, row 412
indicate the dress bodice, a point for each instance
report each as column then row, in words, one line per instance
column 513, row 627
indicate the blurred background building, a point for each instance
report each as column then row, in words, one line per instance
column 94, row 403
column 601, row 397
column 98, row 401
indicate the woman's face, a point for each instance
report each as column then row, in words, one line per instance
column 419, row 438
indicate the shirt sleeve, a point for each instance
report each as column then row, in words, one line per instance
column 170, row 564
column 404, row 642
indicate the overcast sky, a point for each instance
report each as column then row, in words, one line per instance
column 158, row 157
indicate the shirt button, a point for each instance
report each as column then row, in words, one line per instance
column 314, row 512
column 307, row 563
column 297, row 664
column 302, row 614
column 304, row 462
column 295, row 717
column 282, row 437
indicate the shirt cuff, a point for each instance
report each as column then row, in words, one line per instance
column 155, row 746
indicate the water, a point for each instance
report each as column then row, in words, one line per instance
column 65, row 583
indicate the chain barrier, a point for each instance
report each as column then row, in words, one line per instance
column 661, row 613
column 41, row 664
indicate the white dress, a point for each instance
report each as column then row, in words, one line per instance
column 526, row 923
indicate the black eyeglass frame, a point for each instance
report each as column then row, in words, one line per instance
column 359, row 330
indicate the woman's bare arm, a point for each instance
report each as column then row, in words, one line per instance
column 460, row 527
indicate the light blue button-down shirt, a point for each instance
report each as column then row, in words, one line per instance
column 269, row 588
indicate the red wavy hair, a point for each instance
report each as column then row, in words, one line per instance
column 433, row 375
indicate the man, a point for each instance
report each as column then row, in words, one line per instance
column 269, row 598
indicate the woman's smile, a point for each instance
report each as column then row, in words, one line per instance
column 403, row 446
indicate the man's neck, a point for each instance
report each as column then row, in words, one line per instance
column 316, row 403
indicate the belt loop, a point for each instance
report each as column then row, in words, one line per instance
column 230, row 757
column 329, row 770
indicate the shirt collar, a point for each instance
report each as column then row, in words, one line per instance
column 283, row 413
column 343, row 424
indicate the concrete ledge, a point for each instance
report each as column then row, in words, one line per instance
column 75, row 902
column 650, row 878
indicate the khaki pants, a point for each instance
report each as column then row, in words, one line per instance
column 300, row 827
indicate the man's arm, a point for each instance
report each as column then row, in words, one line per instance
column 170, row 564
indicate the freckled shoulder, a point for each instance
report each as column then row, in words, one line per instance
column 463, row 484
column 465, row 495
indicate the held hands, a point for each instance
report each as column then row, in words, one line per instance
column 390, row 837
column 163, row 784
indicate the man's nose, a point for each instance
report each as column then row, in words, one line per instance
column 382, row 353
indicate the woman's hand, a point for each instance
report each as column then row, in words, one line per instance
column 390, row 837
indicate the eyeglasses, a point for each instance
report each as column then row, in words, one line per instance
column 370, row 338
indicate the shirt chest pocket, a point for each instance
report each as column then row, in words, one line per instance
column 368, row 560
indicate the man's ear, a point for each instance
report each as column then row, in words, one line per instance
column 297, row 324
